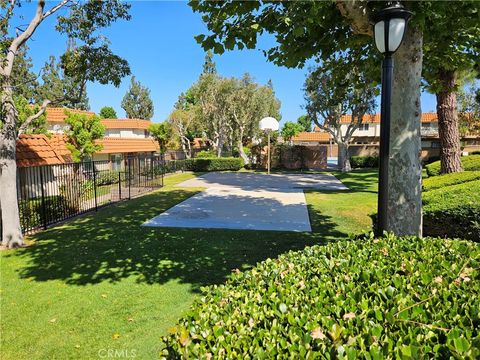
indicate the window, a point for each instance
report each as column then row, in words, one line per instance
column 363, row 127
column 435, row 145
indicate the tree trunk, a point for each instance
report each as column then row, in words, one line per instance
column 343, row 158
column 11, row 230
column 405, row 170
column 448, row 123
column 240, row 146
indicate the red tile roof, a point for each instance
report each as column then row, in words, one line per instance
column 317, row 136
column 126, row 123
column 55, row 114
column 113, row 145
column 375, row 119
column 33, row 150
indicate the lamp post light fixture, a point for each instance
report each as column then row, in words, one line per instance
column 268, row 125
column 390, row 25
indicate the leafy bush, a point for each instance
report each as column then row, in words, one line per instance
column 205, row 154
column 106, row 178
column 469, row 163
column 371, row 298
column 453, row 211
column 441, row 181
column 216, row 164
column 33, row 215
column 364, row 161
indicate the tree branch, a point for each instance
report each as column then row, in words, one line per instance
column 356, row 12
column 32, row 118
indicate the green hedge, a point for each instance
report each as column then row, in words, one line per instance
column 441, row 181
column 364, row 161
column 469, row 163
column 453, row 211
column 215, row 164
column 32, row 213
column 398, row 298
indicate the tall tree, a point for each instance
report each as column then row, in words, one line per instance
column 82, row 133
column 318, row 29
column 108, row 112
column 209, row 66
column 137, row 102
column 24, row 81
column 92, row 61
column 248, row 104
column 333, row 90
column 290, row 129
column 62, row 89
column 452, row 48
column 305, row 122
column 162, row 133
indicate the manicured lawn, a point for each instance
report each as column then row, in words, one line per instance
column 104, row 282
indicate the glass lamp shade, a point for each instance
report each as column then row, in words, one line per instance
column 389, row 28
column 393, row 35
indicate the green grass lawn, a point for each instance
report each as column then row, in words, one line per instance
column 103, row 282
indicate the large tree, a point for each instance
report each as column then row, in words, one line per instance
column 333, row 90
column 162, row 134
column 107, row 112
column 452, row 49
column 24, row 81
column 82, row 134
column 317, row 29
column 62, row 89
column 290, row 129
column 91, row 61
column 305, row 122
column 137, row 102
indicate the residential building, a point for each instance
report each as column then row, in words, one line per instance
column 366, row 138
column 124, row 138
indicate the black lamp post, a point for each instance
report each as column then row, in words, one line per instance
column 390, row 25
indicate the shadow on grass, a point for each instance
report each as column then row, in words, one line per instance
column 110, row 245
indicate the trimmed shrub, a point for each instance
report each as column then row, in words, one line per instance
column 205, row 154
column 214, row 164
column 32, row 214
column 453, row 211
column 106, row 178
column 469, row 163
column 441, row 181
column 371, row 298
column 364, row 161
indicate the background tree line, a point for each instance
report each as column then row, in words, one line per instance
column 224, row 111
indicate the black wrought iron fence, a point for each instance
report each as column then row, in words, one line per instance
column 53, row 193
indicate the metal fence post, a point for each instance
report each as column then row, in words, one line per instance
column 129, row 177
column 95, row 185
column 119, row 185
column 44, row 207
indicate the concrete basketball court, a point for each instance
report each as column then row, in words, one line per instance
column 247, row 201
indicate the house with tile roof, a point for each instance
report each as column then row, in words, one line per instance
column 123, row 138
column 366, row 138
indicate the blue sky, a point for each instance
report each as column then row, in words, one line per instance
column 163, row 55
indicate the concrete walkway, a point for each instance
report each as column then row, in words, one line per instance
column 247, row 201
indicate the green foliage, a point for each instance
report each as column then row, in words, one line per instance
column 453, row 211
column 108, row 112
column 162, row 133
column 364, row 161
column 442, row 181
column 33, row 214
column 469, row 163
column 305, row 122
column 23, row 79
column 205, row 154
column 370, row 298
column 214, row 164
column 290, row 129
column 137, row 102
column 25, row 110
column 61, row 89
column 82, row 133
